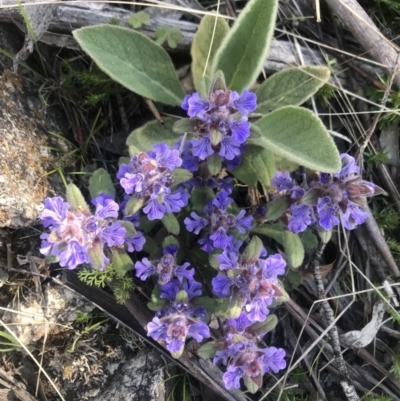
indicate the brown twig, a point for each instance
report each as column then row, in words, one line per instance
column 346, row 381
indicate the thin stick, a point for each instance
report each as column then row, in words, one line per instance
column 346, row 381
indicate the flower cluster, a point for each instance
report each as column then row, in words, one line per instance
column 148, row 177
column 76, row 233
column 181, row 319
column 244, row 359
column 166, row 268
column 329, row 199
column 218, row 223
column 249, row 277
column 219, row 124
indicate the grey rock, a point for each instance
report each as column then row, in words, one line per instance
column 140, row 378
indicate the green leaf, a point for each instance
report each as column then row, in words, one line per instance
column 294, row 249
column 298, row 135
column 150, row 246
column 243, row 51
column 96, row 255
column 100, row 183
column 170, row 240
column 170, row 34
column 185, row 125
column 205, row 37
column 129, row 227
column 324, row 235
column 261, row 328
column 252, row 251
column 121, row 262
column 76, row 199
column 208, row 350
column 258, row 165
column 214, row 163
column 142, row 139
column 277, row 207
column 274, row 231
column 178, row 354
column 180, row 175
column 139, row 19
column 133, row 206
column 290, row 87
column 249, row 383
column 133, row 60
column 309, row 240
column 171, row 223
column 198, row 198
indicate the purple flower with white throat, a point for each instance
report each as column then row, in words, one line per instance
column 166, row 268
column 219, row 123
column 75, row 233
column 217, row 222
column 180, row 319
column 252, row 280
column 329, row 199
column 148, row 178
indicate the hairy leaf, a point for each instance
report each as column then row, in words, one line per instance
column 258, row 164
column 133, row 60
column 100, row 183
column 142, row 139
column 76, row 199
column 121, row 262
column 244, row 49
column 294, row 249
column 290, row 87
column 297, row 134
column 204, row 38
column 171, row 223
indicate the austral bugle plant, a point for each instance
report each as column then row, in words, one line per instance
column 185, row 183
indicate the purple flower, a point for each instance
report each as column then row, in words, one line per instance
column 302, row 217
column 220, row 125
column 354, row 215
column 218, row 222
column 222, row 286
column 273, row 359
column 135, row 242
column 105, row 206
column 327, row 213
column 54, row 211
column 144, row 269
column 79, row 237
column 148, row 177
column 232, row 377
column 282, row 181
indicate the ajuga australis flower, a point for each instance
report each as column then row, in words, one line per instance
column 330, row 199
column 219, row 124
column 148, row 178
column 75, row 233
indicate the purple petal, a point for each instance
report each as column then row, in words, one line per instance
column 105, row 206
column 273, row 359
column 246, row 103
column 327, row 213
column 195, row 225
column 302, row 217
column 243, row 224
column 220, row 238
column 144, row 269
column 154, row 210
column 206, row 244
column 202, row 147
column 199, row 331
column 54, row 212
column 222, row 285
column 157, row 329
column 354, row 215
column 227, row 260
column 169, row 291
column 232, row 376
column 192, row 288
column 72, row 255
column 229, row 148
column 240, row 130
column 174, row 201
column 132, row 183
column 257, row 309
column 113, row 234
column 197, row 106
column 282, row 181
column 222, row 200
column 273, row 267
column 135, row 242
column 167, row 157
column 181, row 272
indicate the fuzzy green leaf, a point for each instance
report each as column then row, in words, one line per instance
column 294, row 249
column 129, row 227
column 249, row 383
column 76, row 199
column 133, row 206
column 243, row 51
column 309, row 240
column 100, row 183
column 290, row 87
column 133, row 60
column 258, row 165
column 121, row 262
column 297, row 134
column 180, row 175
column 277, row 207
column 142, row 139
column 261, row 328
column 204, row 38
column 139, row 19
column 252, row 251
column 214, row 163
column 170, row 240
column 208, row 350
column 171, row 223
column 274, row 231
column 96, row 256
